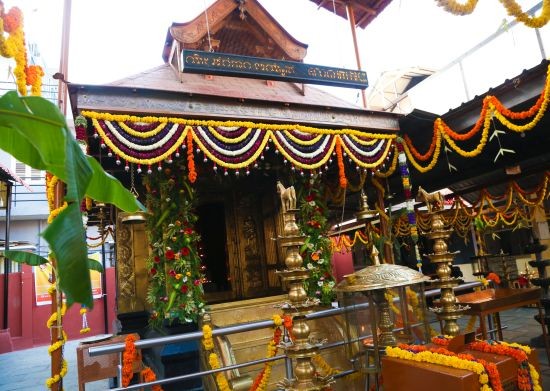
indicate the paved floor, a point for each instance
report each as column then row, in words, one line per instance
column 28, row 369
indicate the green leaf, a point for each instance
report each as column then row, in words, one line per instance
column 66, row 237
column 25, row 257
column 78, row 172
column 95, row 265
column 36, row 121
column 106, row 188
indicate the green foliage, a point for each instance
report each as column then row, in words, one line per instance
column 25, row 257
column 316, row 251
column 34, row 131
column 174, row 267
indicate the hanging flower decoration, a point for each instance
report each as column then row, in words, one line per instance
column 129, row 356
column 458, row 8
column 409, row 199
column 316, row 251
column 512, row 7
column 262, row 379
column 175, row 269
column 491, row 107
column 236, row 145
column 13, row 46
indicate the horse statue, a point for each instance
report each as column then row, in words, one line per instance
column 434, row 201
column 288, row 197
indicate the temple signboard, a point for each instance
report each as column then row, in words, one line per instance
column 212, row 63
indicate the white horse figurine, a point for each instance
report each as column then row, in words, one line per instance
column 288, row 196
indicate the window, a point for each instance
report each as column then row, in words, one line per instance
column 28, row 174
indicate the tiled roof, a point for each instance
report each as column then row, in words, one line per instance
column 163, row 78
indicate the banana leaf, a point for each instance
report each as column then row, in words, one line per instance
column 35, row 132
column 31, row 259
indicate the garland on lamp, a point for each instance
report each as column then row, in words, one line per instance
column 528, row 377
column 488, row 376
column 491, row 107
column 316, row 250
column 512, row 7
column 237, row 145
column 14, row 47
column 176, row 274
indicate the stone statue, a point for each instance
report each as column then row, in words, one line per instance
column 288, row 197
column 434, row 201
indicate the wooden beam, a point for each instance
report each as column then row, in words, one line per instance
column 126, row 100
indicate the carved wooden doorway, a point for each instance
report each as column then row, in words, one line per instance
column 237, row 244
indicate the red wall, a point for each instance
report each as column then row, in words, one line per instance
column 27, row 321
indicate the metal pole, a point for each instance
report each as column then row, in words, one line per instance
column 7, row 263
column 64, row 60
column 351, row 18
column 104, row 284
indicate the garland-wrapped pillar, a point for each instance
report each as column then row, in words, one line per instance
column 176, row 273
column 316, row 250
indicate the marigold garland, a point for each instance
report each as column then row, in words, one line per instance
column 528, row 377
column 341, row 170
column 512, row 7
column 190, row 160
column 129, row 355
column 491, row 107
column 236, row 145
column 444, row 357
column 457, row 8
column 148, row 376
column 14, row 47
column 57, row 378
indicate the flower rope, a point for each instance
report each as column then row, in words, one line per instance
column 129, row 356
column 486, row 371
column 491, row 107
column 238, row 145
column 14, row 47
column 527, row 375
column 512, row 7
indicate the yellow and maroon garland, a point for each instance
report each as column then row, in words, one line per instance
column 231, row 145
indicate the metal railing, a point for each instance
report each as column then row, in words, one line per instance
column 240, row 328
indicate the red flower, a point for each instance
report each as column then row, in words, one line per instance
column 172, row 273
column 188, row 231
column 197, row 282
column 310, row 197
column 185, row 251
column 153, row 271
column 184, row 289
column 170, row 254
column 156, row 259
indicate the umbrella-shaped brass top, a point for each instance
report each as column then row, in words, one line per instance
column 380, row 277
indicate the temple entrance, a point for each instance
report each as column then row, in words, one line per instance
column 213, row 249
column 237, row 245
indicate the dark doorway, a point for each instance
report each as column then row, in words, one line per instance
column 213, row 247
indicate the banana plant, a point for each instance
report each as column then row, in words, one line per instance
column 35, row 132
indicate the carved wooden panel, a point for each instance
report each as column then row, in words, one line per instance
column 131, row 252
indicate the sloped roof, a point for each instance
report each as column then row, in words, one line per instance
column 162, row 78
column 364, row 11
column 238, row 27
